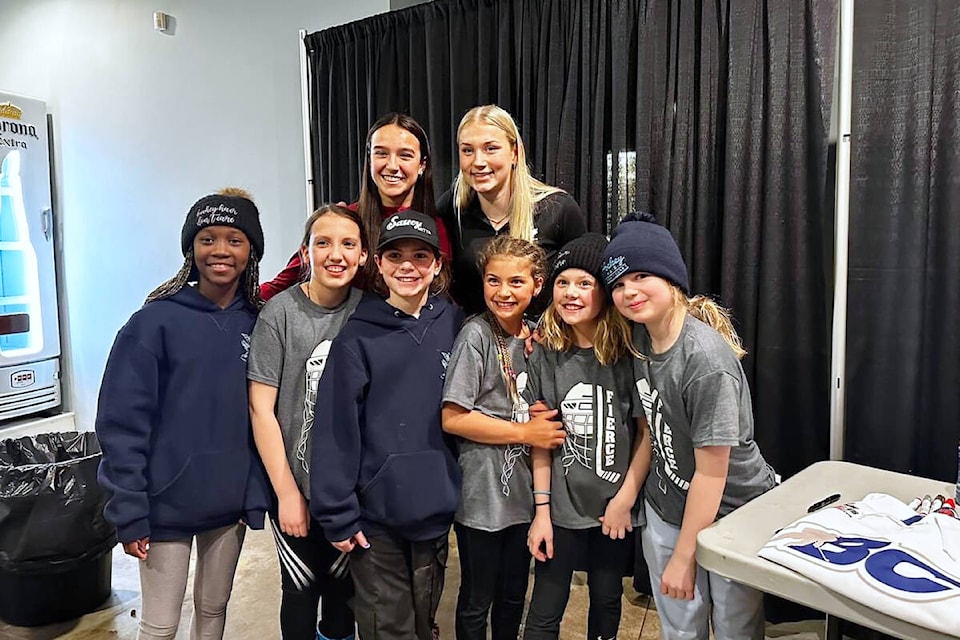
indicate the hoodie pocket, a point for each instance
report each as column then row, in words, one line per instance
column 207, row 488
column 410, row 488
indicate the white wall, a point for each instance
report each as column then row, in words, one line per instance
column 145, row 123
column 403, row 4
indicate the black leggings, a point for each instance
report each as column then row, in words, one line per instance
column 308, row 578
column 604, row 559
column 494, row 570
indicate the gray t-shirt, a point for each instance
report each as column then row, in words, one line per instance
column 694, row 395
column 497, row 484
column 288, row 351
column 595, row 406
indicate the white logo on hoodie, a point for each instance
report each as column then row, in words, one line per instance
column 245, row 343
column 444, row 360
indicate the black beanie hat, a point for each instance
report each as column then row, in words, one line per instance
column 640, row 244
column 228, row 211
column 585, row 252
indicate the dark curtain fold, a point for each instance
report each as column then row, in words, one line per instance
column 903, row 347
column 733, row 105
column 772, row 230
column 712, row 113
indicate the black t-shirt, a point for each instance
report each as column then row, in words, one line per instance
column 557, row 219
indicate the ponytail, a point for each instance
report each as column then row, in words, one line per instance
column 706, row 310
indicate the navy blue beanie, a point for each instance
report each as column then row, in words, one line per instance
column 640, row 244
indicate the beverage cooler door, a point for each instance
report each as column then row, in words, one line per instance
column 29, row 329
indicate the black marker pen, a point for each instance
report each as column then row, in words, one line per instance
column 822, row 503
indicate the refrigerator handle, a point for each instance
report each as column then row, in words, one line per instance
column 46, row 221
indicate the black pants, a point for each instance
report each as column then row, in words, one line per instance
column 494, row 570
column 604, row 559
column 308, row 578
column 398, row 585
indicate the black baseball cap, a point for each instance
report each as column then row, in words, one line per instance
column 409, row 224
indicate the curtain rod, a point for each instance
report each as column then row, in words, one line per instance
column 842, row 222
column 305, row 114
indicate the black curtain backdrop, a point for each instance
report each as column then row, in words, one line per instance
column 712, row 113
column 734, row 98
column 772, row 236
column 903, row 343
column 565, row 70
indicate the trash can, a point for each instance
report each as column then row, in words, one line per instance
column 55, row 544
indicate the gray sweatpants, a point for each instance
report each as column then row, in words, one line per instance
column 163, row 583
column 735, row 610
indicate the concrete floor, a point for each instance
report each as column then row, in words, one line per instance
column 254, row 607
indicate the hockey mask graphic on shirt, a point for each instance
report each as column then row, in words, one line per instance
column 315, row 366
column 585, row 408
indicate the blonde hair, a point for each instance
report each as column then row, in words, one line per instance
column 235, row 192
column 706, row 310
column 612, row 341
column 514, row 248
column 525, row 190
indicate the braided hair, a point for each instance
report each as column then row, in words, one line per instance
column 187, row 273
column 249, row 286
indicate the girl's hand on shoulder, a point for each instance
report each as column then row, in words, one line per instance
column 679, row 577
column 137, row 548
column 544, row 431
column 540, row 538
column 294, row 516
column 615, row 521
column 529, row 341
column 348, row 545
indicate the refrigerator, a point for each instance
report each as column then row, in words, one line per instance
column 29, row 328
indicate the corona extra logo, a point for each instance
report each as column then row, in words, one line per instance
column 10, row 111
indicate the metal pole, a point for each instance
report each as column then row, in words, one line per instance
column 838, row 358
column 305, row 113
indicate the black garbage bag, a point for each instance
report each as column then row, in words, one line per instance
column 51, row 506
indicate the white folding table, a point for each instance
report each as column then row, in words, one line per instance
column 729, row 547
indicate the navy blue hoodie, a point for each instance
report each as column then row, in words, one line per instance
column 173, row 421
column 379, row 459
